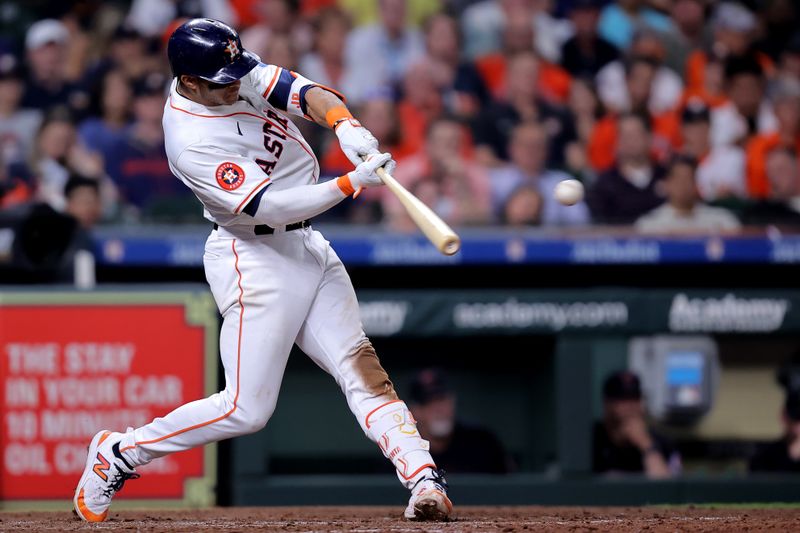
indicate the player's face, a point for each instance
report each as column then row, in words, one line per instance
column 219, row 94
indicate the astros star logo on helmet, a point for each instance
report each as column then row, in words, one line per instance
column 230, row 176
column 232, row 49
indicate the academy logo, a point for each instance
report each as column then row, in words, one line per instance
column 230, row 176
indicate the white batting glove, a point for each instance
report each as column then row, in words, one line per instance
column 364, row 175
column 356, row 140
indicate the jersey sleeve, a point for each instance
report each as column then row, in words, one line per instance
column 222, row 180
column 284, row 89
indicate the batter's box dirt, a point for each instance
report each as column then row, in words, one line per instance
column 387, row 519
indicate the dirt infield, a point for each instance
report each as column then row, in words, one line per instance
column 380, row 519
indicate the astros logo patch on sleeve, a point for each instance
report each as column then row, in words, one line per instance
column 230, row 176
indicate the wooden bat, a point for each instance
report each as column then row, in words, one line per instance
column 435, row 229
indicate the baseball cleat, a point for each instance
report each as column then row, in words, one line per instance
column 429, row 501
column 105, row 473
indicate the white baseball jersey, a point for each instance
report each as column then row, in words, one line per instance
column 228, row 155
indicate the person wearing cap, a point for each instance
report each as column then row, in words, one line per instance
column 137, row 163
column 586, row 52
column 455, row 446
column 720, row 169
column 785, row 96
column 46, row 52
column 782, row 455
column 623, row 442
column 683, row 212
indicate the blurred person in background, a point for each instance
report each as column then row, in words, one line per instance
column 640, row 73
column 683, row 211
column 779, row 19
column 528, row 151
column 47, row 86
column 445, row 178
column 138, row 162
column 720, row 169
column 456, row 447
column 789, row 59
column 127, row 52
column 586, row 52
column 620, row 93
column 523, row 207
column 622, row 442
column 465, row 92
column 585, row 107
column 551, row 81
column 485, row 22
column 782, row 205
column 422, row 102
column 620, row 20
column 782, row 455
column 522, row 103
column 152, row 18
column 325, row 61
column 364, row 12
column 631, row 187
column 15, row 189
column 58, row 153
column 277, row 18
column 380, row 54
column 83, row 201
column 711, row 88
column 691, row 32
column 104, row 131
column 17, row 126
column 748, row 112
column 785, row 96
column 733, row 30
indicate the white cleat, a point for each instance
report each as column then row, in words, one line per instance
column 105, row 473
column 429, row 501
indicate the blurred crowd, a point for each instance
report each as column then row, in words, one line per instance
column 677, row 115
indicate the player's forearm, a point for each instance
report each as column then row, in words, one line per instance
column 319, row 101
column 278, row 208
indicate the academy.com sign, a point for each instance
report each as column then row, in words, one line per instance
column 727, row 314
column 540, row 315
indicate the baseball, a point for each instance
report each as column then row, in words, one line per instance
column 569, row 192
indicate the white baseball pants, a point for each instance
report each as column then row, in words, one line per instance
column 274, row 291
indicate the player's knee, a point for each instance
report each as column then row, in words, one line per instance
column 251, row 420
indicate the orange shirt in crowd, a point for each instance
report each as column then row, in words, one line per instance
column 553, row 84
column 603, row 140
column 696, row 69
column 757, row 151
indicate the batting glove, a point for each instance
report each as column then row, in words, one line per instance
column 364, row 175
column 356, row 140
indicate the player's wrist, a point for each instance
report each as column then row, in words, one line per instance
column 346, row 185
column 338, row 116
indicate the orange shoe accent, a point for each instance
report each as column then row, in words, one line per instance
column 418, row 470
column 102, row 467
column 86, row 514
column 103, row 437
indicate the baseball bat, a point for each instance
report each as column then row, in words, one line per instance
column 435, row 229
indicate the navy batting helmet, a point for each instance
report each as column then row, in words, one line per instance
column 209, row 49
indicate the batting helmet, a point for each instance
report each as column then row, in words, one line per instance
column 209, row 49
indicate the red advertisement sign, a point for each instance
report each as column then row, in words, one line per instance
column 68, row 371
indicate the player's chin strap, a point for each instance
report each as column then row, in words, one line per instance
column 394, row 429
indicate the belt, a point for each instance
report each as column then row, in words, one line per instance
column 263, row 229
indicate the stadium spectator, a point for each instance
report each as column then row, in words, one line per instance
column 83, row 200
column 528, row 151
column 278, row 18
column 630, row 188
column 152, row 18
column 620, row 20
column 782, row 455
column 586, row 52
column 128, row 52
column 779, row 19
column 689, row 18
column 523, row 207
column 365, row 12
column 639, row 78
column 786, row 102
column 138, row 162
column 380, row 54
column 47, row 86
column 720, row 170
column 324, row 63
column 456, row 447
column 789, row 59
column 683, row 211
column 422, row 102
column 622, row 441
column 15, row 189
column 485, row 22
column 782, row 206
column 584, row 106
column 103, row 132
column 445, row 178
column 17, row 126
column 747, row 112
column 493, row 126
column 615, row 87
column 464, row 89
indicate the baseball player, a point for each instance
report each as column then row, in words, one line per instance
column 276, row 281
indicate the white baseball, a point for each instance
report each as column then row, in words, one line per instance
column 569, row 192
